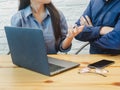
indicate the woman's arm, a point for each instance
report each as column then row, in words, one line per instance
column 71, row 34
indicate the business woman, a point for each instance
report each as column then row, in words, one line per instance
column 43, row 15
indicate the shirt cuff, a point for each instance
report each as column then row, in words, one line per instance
column 89, row 33
column 64, row 50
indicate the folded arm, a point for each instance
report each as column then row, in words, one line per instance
column 105, row 37
column 110, row 40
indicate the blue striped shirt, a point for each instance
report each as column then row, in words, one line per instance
column 25, row 18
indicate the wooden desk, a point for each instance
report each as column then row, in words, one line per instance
column 15, row 78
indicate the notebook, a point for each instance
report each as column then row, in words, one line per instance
column 28, row 50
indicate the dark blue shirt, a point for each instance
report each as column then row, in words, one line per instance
column 102, row 13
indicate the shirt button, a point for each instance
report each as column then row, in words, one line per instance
column 43, row 25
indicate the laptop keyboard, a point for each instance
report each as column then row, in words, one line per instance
column 54, row 67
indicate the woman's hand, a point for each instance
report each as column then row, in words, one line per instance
column 72, row 32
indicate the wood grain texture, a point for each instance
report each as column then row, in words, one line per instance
column 16, row 78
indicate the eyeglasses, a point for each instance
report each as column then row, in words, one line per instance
column 98, row 71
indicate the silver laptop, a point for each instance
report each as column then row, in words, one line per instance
column 27, row 48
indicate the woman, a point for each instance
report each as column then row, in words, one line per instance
column 43, row 15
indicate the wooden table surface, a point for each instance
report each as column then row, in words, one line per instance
column 15, row 78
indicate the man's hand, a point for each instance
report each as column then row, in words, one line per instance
column 104, row 30
column 72, row 32
column 86, row 21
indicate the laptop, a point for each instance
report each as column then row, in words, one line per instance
column 27, row 48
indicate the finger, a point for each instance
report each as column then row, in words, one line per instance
column 84, row 20
column 69, row 34
column 88, row 20
column 76, row 31
column 80, row 29
column 81, row 21
column 71, row 30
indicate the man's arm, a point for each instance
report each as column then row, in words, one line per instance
column 89, row 32
column 110, row 40
column 87, row 22
column 86, row 12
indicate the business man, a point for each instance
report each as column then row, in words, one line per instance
column 100, row 25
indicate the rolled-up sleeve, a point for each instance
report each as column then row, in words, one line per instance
column 89, row 33
column 64, row 30
column 110, row 40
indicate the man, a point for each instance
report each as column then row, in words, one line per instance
column 100, row 25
